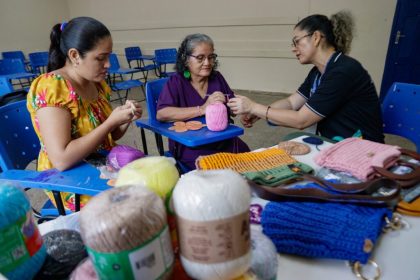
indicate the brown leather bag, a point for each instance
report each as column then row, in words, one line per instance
column 378, row 191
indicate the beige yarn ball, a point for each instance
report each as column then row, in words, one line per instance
column 126, row 233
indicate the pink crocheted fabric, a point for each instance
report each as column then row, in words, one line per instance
column 358, row 156
column 216, row 117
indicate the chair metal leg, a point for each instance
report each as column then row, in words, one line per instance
column 144, row 94
column 77, row 200
column 145, row 75
column 59, row 203
column 143, row 140
column 126, row 97
column 159, row 143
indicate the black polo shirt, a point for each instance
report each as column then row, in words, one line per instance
column 345, row 97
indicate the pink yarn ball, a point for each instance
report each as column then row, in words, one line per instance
column 121, row 155
column 216, row 117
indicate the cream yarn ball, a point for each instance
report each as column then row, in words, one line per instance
column 212, row 210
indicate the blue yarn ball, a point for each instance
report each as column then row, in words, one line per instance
column 312, row 140
column 16, row 217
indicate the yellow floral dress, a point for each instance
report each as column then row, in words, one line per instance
column 52, row 90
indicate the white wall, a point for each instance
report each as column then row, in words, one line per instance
column 252, row 37
column 25, row 24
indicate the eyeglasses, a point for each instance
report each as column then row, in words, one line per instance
column 201, row 58
column 295, row 41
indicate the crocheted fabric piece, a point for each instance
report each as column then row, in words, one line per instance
column 245, row 162
column 294, row 148
column 324, row 230
column 358, row 156
column 278, row 175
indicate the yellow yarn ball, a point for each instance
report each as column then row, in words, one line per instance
column 158, row 174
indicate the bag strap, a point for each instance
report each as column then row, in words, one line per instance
column 405, row 180
column 410, row 153
column 362, row 193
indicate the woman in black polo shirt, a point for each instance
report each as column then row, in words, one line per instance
column 338, row 95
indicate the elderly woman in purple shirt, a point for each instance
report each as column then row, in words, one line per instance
column 186, row 95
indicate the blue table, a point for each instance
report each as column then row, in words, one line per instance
column 19, row 77
column 82, row 179
column 190, row 138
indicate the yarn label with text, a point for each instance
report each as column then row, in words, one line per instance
column 214, row 241
column 18, row 242
column 151, row 260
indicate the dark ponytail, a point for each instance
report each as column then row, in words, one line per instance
column 81, row 33
column 338, row 31
column 56, row 59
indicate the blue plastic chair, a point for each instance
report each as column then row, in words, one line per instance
column 134, row 55
column 153, row 90
column 16, row 55
column 14, row 69
column 163, row 57
column 5, row 86
column 19, row 146
column 401, row 111
column 116, row 78
column 39, row 62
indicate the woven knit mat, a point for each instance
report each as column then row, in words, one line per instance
column 245, row 162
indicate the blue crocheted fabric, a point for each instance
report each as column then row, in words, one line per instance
column 324, row 230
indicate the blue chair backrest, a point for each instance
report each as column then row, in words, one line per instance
column 38, row 59
column 5, row 86
column 153, row 90
column 132, row 53
column 14, row 55
column 19, row 144
column 163, row 56
column 11, row 66
column 114, row 63
column 401, row 111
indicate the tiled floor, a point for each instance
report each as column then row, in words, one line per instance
column 261, row 135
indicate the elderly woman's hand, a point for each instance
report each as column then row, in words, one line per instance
column 240, row 104
column 216, row 96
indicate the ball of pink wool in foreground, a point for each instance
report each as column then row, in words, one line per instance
column 216, row 117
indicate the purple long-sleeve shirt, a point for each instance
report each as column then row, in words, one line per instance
column 179, row 92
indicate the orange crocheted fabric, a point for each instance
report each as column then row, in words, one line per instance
column 245, row 162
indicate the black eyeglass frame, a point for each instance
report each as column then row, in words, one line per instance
column 295, row 41
column 201, row 58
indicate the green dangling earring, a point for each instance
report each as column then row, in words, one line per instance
column 187, row 74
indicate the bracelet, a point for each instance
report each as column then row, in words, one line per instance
column 266, row 113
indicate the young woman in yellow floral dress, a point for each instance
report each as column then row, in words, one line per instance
column 69, row 105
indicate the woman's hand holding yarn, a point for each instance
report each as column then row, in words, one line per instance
column 240, row 104
column 121, row 115
column 136, row 110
